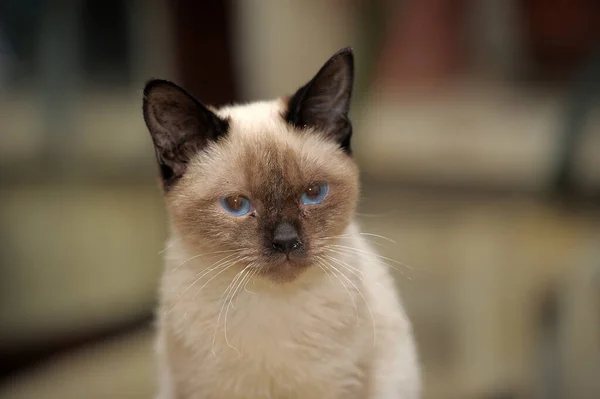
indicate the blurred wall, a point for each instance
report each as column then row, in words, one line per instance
column 459, row 152
column 281, row 44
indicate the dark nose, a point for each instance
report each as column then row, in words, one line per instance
column 285, row 238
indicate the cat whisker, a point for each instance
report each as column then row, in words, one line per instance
column 358, row 273
column 351, row 268
column 377, row 236
column 254, row 273
column 217, row 265
column 246, row 277
column 378, row 260
column 169, row 245
column 338, row 236
column 324, row 270
column 226, row 265
column 364, row 299
column 231, row 299
column 353, row 235
column 377, row 215
column 225, row 269
column 204, row 254
column 350, row 235
column 347, row 253
column 385, row 289
column 361, row 251
column 324, row 267
column 228, row 292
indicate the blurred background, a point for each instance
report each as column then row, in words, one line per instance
column 477, row 128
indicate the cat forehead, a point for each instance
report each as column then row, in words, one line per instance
column 262, row 149
column 259, row 132
column 255, row 117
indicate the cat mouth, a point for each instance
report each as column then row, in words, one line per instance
column 285, row 268
column 290, row 260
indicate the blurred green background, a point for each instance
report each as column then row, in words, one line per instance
column 477, row 128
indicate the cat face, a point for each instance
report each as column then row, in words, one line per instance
column 271, row 181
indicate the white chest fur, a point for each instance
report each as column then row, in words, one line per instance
column 336, row 335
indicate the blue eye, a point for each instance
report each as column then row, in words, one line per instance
column 314, row 194
column 236, row 205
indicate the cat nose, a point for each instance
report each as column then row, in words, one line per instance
column 285, row 238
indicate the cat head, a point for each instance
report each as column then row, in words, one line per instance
column 268, row 182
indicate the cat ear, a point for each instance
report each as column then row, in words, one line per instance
column 324, row 102
column 179, row 125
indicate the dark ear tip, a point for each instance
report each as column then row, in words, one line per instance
column 154, row 84
column 343, row 58
column 346, row 52
column 349, row 51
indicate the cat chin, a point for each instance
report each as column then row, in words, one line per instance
column 285, row 271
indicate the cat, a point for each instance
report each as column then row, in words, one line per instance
column 269, row 289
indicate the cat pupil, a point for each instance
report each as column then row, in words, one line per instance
column 234, row 203
column 313, row 191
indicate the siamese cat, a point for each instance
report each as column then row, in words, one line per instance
column 269, row 288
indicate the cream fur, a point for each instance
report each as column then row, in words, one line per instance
column 299, row 340
column 336, row 335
